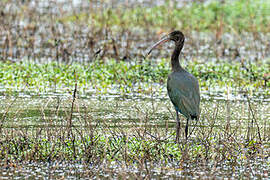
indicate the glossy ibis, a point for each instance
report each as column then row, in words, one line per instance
column 183, row 87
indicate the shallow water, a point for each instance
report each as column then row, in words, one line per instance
column 29, row 106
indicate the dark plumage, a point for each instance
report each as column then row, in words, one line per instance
column 183, row 87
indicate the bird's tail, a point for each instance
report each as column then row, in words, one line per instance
column 196, row 117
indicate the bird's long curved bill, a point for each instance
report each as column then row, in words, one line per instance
column 163, row 40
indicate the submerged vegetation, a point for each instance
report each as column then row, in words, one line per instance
column 79, row 98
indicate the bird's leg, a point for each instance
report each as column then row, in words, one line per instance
column 177, row 127
column 186, row 130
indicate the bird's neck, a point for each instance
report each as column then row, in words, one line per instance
column 175, row 58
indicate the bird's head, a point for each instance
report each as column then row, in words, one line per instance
column 176, row 36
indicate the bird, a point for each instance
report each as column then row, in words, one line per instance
column 182, row 87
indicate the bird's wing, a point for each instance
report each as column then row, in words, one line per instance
column 184, row 94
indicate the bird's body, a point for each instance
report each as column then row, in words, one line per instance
column 183, row 87
column 183, row 90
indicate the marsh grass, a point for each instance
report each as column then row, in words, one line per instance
column 118, row 135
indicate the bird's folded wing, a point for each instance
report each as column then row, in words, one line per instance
column 185, row 100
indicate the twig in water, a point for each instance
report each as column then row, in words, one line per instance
column 72, row 105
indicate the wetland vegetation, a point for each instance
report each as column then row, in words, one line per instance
column 79, row 100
